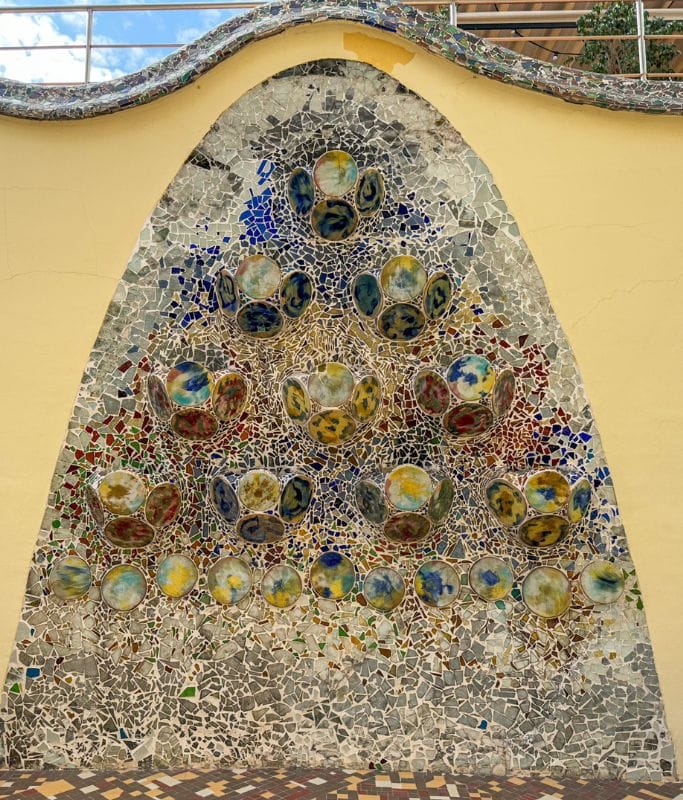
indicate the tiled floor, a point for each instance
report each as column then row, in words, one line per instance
column 301, row 784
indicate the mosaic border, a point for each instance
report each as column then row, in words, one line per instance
column 32, row 101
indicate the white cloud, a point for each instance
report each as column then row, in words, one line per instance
column 212, row 15
column 131, row 59
column 73, row 19
column 68, row 28
column 210, row 18
column 187, row 35
column 48, row 66
column 62, row 66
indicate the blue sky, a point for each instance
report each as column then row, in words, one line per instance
column 123, row 27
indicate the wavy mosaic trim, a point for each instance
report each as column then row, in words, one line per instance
column 32, row 101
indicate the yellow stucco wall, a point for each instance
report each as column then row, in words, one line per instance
column 597, row 198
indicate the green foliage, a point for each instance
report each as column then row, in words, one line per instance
column 622, row 56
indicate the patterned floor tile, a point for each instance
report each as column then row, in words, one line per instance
column 307, row 784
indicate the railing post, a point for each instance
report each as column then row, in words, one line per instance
column 88, row 44
column 640, row 27
column 453, row 14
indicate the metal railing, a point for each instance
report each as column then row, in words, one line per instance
column 511, row 19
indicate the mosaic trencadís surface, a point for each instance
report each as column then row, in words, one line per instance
column 332, row 493
column 427, row 31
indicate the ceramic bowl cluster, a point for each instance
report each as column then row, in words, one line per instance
column 540, row 507
column 194, row 402
column 129, row 510
column 336, row 196
column 261, row 504
column 402, row 298
column 262, row 298
column 331, row 402
column 406, row 503
column 468, row 398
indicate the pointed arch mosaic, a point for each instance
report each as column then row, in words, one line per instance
column 332, row 491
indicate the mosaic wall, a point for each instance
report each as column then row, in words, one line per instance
column 332, row 493
column 425, row 30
